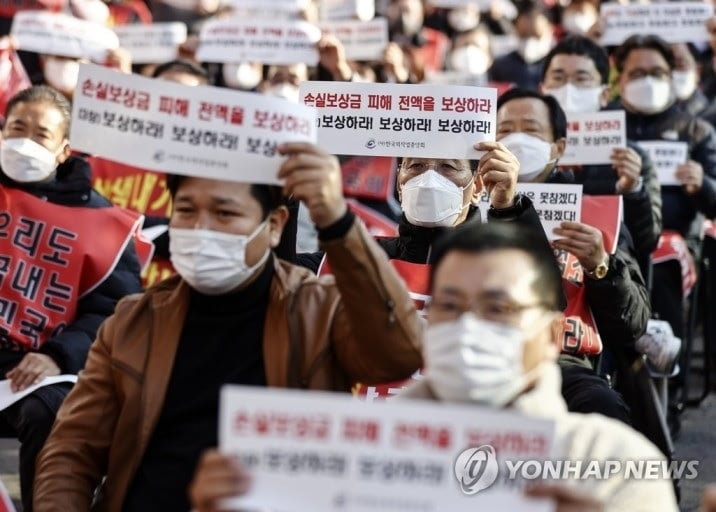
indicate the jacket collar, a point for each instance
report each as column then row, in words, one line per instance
column 72, row 184
column 417, row 240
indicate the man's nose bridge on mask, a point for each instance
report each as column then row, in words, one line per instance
column 203, row 220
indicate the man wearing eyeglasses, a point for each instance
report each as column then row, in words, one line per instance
column 645, row 65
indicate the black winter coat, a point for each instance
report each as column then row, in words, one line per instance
column 679, row 209
column 72, row 187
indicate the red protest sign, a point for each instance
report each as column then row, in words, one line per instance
column 606, row 214
column 369, row 177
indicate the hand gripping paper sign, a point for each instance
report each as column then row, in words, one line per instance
column 59, row 34
column 423, row 121
column 196, row 131
column 324, row 452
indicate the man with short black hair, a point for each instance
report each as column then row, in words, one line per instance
column 576, row 73
column 146, row 406
column 533, row 126
column 58, row 278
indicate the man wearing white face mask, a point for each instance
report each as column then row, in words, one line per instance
column 146, row 406
column 533, row 127
column 645, row 65
column 524, row 65
column 437, row 194
column 61, row 73
column 576, row 73
column 491, row 341
column 58, row 279
column 686, row 78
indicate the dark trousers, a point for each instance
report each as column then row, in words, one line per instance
column 31, row 419
column 667, row 295
column 586, row 392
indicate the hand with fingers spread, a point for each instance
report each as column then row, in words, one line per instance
column 585, row 242
column 566, row 498
column 218, row 477
column 314, row 177
column 498, row 169
column 332, row 56
column 627, row 164
column 691, row 176
column 32, row 369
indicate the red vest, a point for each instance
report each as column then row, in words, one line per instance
column 50, row 257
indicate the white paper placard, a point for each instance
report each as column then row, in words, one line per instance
column 59, row 34
column 8, row 397
column 675, row 22
column 483, row 5
column 502, row 45
column 402, row 120
column 155, row 43
column 362, row 40
column 592, row 136
column 330, row 10
column 202, row 131
column 554, row 202
column 327, row 452
column 276, row 5
column 266, row 41
column 666, row 156
column 455, row 78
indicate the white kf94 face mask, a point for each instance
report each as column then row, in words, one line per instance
column 25, row 161
column 212, row 262
column 648, row 95
column 577, row 99
column 431, row 200
column 533, row 153
column 474, row 360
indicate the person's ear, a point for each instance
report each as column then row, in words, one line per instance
column 398, row 185
column 277, row 221
column 559, row 147
column 477, row 190
column 65, row 153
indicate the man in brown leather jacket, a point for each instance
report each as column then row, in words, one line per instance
column 146, row 406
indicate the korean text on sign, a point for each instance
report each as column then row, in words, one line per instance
column 402, row 120
column 270, row 42
column 151, row 43
column 666, row 156
column 554, row 202
column 59, row 34
column 592, row 136
column 197, row 131
column 361, row 40
column 318, row 446
column 363, row 10
column 676, row 22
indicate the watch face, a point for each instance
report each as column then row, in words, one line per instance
column 601, row 271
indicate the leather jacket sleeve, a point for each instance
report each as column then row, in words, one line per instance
column 376, row 331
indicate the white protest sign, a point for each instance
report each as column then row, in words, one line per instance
column 326, row 452
column 676, row 22
column 483, row 5
column 554, row 203
column 276, row 5
column 153, row 43
column 592, row 136
column 362, row 40
column 266, row 41
column 197, row 131
column 666, row 156
column 402, row 120
column 330, row 10
column 454, row 78
column 502, row 45
column 59, row 34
